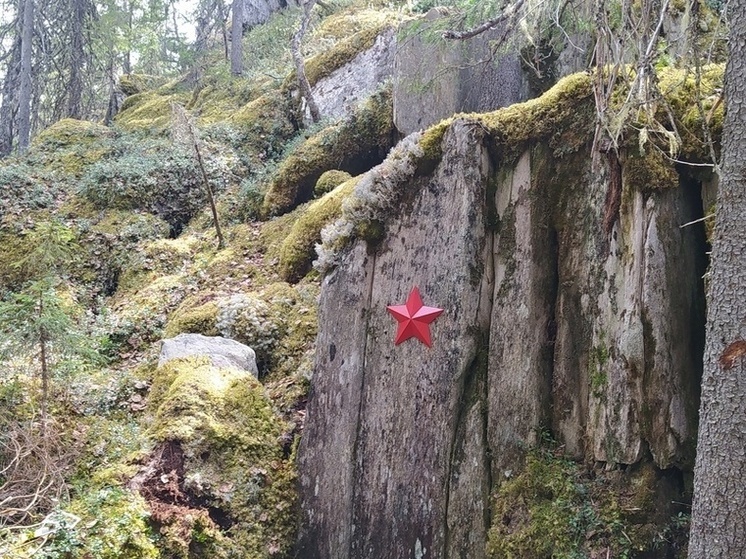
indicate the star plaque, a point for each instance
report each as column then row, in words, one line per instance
column 414, row 319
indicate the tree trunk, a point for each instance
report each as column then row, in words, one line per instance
column 77, row 55
column 236, row 38
column 300, row 66
column 10, row 99
column 24, row 92
column 719, row 509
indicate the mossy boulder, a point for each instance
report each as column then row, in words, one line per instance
column 193, row 316
column 230, row 454
column 70, row 145
column 264, row 124
column 132, row 84
column 323, row 64
column 329, row 180
column 297, row 251
column 149, row 112
column 353, row 145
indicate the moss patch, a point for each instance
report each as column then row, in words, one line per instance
column 329, row 180
column 361, row 140
column 555, row 509
column 132, row 84
column 231, row 458
column 194, row 317
column 148, row 112
column 70, row 145
column 321, row 65
column 297, row 250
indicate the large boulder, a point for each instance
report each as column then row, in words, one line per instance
column 222, row 352
column 573, row 305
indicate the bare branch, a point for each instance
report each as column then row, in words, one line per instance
column 506, row 14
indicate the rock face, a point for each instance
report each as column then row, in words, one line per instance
column 573, row 303
column 221, row 351
column 435, row 78
column 338, row 94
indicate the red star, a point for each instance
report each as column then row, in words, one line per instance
column 414, row 319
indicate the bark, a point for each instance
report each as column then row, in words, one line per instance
column 10, row 99
column 77, row 56
column 236, row 38
column 300, row 66
column 719, row 508
column 24, row 93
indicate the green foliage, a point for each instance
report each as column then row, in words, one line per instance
column 148, row 175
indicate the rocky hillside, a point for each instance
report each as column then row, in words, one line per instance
column 557, row 406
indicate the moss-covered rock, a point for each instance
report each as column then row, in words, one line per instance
column 148, row 112
column 297, row 250
column 329, row 180
column 353, row 145
column 132, row 84
column 193, row 316
column 230, row 455
column 70, row 145
column 265, row 124
column 323, row 64
column 120, row 527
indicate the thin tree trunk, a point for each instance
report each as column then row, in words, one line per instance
column 237, row 38
column 719, row 509
column 300, row 65
column 24, row 92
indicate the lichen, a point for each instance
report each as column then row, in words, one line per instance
column 374, row 195
column 365, row 136
column 297, row 251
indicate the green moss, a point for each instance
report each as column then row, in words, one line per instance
column 233, row 460
column 650, row 170
column 599, row 357
column 132, row 84
column 564, row 116
column 70, row 145
column 323, row 64
column 149, row 111
column 329, row 180
column 555, row 509
column 432, row 140
column 156, row 258
column 679, row 87
column 366, row 135
column 114, row 525
column 297, row 251
column 265, row 124
column 193, row 317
